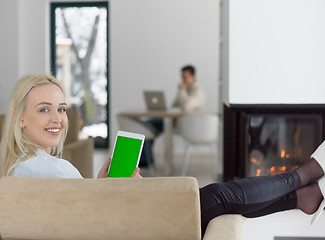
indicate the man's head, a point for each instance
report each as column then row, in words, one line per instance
column 188, row 75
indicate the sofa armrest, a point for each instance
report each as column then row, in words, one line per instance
column 225, row 227
column 80, row 154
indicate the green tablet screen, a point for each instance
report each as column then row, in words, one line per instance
column 125, row 157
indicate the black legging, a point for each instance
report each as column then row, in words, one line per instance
column 250, row 197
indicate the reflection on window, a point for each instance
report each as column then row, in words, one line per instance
column 79, row 59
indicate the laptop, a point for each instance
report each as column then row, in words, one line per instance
column 155, row 100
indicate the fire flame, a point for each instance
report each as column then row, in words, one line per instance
column 294, row 167
column 283, row 153
column 284, row 161
column 275, row 169
column 272, row 169
column 255, row 161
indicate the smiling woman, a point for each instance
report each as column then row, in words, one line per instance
column 22, row 131
column 35, row 129
column 45, row 122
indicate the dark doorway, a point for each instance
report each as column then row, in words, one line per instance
column 79, row 59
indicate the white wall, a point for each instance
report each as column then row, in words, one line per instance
column 8, row 50
column 22, row 44
column 276, row 51
column 33, row 37
column 152, row 40
column 149, row 42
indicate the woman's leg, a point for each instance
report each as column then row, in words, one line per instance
column 245, row 195
column 285, row 203
column 310, row 172
column 256, row 196
column 307, row 199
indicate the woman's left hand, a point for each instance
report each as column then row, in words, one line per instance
column 136, row 173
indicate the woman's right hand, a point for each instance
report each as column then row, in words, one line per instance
column 103, row 173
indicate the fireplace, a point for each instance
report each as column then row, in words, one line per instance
column 264, row 140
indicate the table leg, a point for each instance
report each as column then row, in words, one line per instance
column 169, row 153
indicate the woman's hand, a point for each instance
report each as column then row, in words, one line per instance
column 103, row 173
column 136, row 173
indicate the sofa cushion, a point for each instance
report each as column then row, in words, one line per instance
column 74, row 125
column 152, row 208
column 80, row 154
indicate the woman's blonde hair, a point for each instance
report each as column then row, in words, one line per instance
column 16, row 146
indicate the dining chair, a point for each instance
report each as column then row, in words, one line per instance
column 198, row 129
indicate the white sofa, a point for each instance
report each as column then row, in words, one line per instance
column 148, row 208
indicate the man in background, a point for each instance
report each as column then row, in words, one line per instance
column 190, row 96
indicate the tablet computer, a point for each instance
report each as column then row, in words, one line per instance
column 126, row 154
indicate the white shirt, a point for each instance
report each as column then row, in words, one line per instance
column 43, row 165
column 191, row 98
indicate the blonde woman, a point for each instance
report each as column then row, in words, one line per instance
column 35, row 129
column 36, row 125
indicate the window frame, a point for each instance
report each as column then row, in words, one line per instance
column 101, row 4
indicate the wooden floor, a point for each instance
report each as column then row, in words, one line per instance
column 201, row 166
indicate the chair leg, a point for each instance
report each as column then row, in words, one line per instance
column 149, row 157
column 186, row 159
column 214, row 162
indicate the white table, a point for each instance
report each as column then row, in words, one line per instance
column 168, row 118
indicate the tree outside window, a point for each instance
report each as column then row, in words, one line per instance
column 79, row 49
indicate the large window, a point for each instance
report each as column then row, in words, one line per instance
column 79, row 59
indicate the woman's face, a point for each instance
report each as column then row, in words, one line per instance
column 44, row 118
